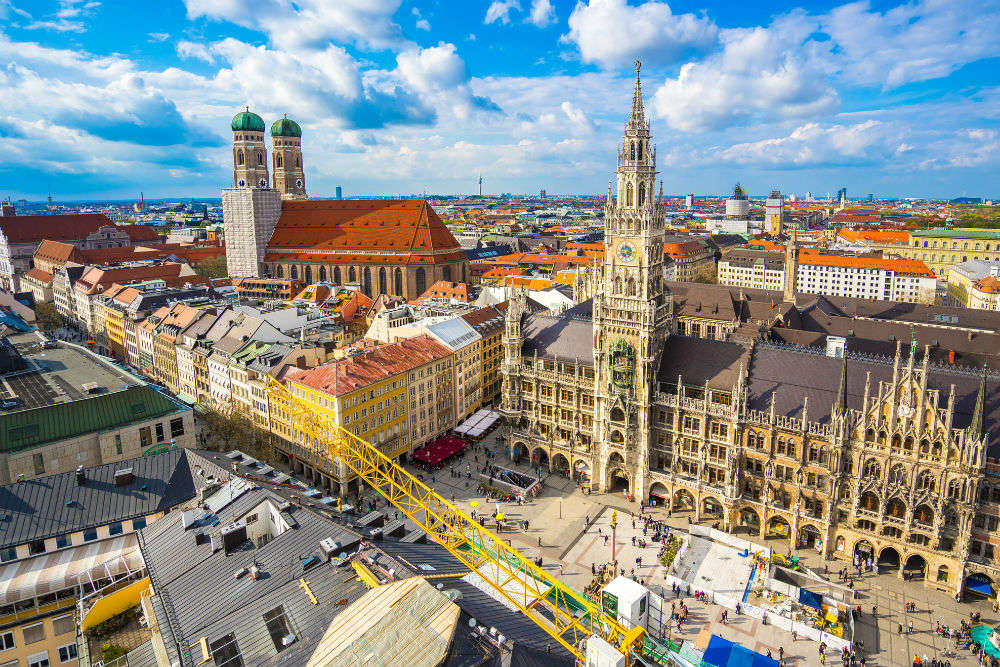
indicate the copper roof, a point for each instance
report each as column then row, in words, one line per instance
column 361, row 227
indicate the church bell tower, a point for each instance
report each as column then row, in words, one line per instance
column 632, row 310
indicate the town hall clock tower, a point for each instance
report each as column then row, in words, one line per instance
column 632, row 310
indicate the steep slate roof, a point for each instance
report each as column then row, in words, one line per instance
column 361, row 230
column 700, row 360
column 569, row 335
column 29, row 428
column 792, row 375
column 39, row 508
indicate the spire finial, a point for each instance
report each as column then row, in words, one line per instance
column 638, row 115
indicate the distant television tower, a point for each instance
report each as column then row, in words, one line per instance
column 480, row 185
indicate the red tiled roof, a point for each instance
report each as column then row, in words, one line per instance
column 910, row 267
column 39, row 275
column 35, row 228
column 95, row 278
column 140, row 232
column 358, row 227
column 343, row 376
column 56, row 252
column 445, row 289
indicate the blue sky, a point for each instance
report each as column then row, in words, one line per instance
column 104, row 99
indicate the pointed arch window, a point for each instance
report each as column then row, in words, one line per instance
column 421, row 280
column 628, row 194
column 322, row 274
column 260, row 159
column 399, row 282
column 239, row 157
column 352, row 276
column 638, row 152
column 336, row 275
column 294, row 274
column 642, row 194
column 631, row 153
column 382, row 286
column 277, row 161
column 308, row 274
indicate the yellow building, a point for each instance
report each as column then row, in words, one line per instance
column 962, row 279
column 488, row 322
column 941, row 248
column 365, row 394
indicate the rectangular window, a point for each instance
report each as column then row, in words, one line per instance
column 8, row 555
column 39, row 464
column 34, row 633
column 225, row 652
column 36, row 547
column 67, row 653
column 39, row 659
column 159, row 431
column 277, row 627
column 6, row 641
column 63, row 625
column 145, row 437
column 115, row 528
column 118, row 444
column 176, row 427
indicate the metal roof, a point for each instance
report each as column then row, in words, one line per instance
column 30, row 428
column 45, row 507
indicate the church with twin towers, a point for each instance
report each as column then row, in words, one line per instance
column 855, row 456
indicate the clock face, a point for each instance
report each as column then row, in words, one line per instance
column 625, row 251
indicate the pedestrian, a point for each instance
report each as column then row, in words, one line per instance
column 900, row 630
column 874, row 611
column 909, row 627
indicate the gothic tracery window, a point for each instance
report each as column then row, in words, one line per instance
column 639, row 151
column 642, row 194
column 631, row 155
column 628, row 194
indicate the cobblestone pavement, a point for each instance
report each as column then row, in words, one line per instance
column 571, row 527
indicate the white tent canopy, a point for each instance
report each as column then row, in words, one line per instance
column 480, row 422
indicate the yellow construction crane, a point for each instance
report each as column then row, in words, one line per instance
column 563, row 613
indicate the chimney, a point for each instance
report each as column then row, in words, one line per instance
column 81, row 476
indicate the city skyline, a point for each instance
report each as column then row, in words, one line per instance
column 397, row 98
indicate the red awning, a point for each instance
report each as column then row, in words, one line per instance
column 439, row 450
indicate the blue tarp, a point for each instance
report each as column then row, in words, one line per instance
column 724, row 653
column 979, row 584
column 812, row 599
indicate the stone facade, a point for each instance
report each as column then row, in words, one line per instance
column 770, row 440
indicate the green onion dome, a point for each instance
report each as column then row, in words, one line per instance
column 283, row 127
column 247, row 121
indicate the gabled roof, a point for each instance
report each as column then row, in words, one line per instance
column 63, row 227
column 362, row 227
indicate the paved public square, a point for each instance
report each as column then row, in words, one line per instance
column 571, row 531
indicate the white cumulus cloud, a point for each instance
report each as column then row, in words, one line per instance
column 499, row 10
column 542, row 13
column 612, row 33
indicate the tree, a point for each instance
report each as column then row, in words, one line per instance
column 226, row 430
column 212, row 268
column 706, row 274
column 47, row 316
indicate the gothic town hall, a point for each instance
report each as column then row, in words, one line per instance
column 851, row 454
